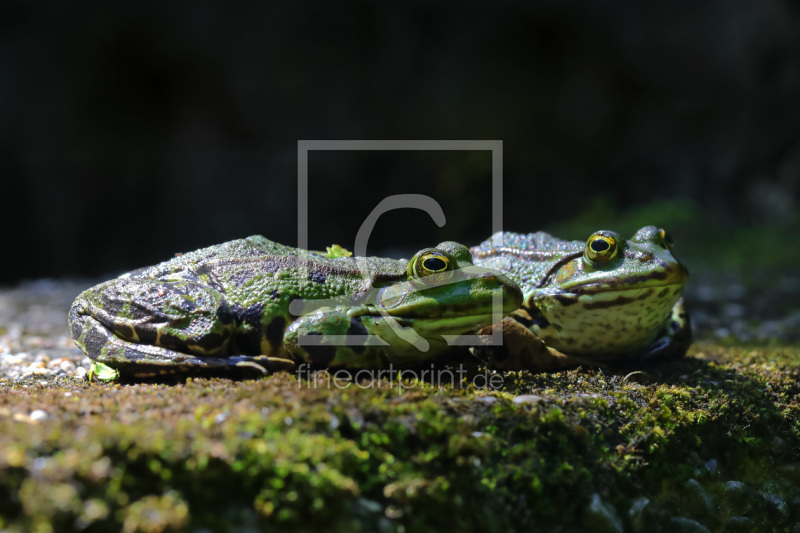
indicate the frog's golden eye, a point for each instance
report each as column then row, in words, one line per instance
column 435, row 264
column 431, row 263
column 665, row 238
column 601, row 248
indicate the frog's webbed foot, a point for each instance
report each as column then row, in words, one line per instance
column 675, row 339
column 521, row 349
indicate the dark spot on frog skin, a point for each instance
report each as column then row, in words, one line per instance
column 541, row 321
column 248, row 341
column 112, row 303
column 77, row 327
column 209, row 342
column 626, row 282
column 274, row 294
column 146, row 334
column 95, row 340
column 528, row 317
column 565, row 300
column 176, row 343
column 320, row 354
column 642, row 256
column 274, row 332
column 187, row 305
column 619, row 300
column 125, row 331
column 225, row 314
column 242, row 277
column 318, row 276
column 663, row 292
column 357, row 328
column 250, row 315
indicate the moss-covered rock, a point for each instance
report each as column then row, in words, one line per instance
column 711, row 442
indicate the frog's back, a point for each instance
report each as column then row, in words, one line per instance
column 525, row 257
column 254, row 268
column 255, row 246
column 540, row 241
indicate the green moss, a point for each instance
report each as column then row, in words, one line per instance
column 714, row 438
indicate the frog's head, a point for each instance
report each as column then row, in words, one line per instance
column 442, row 293
column 613, row 296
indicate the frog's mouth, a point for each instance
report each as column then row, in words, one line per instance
column 443, row 324
column 609, row 293
column 604, row 297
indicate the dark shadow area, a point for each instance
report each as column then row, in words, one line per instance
column 130, row 133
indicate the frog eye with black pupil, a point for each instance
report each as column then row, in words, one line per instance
column 665, row 237
column 434, row 264
column 599, row 245
column 431, row 263
column 601, row 248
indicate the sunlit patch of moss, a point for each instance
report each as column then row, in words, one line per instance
column 153, row 513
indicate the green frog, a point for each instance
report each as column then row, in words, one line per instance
column 254, row 305
column 594, row 302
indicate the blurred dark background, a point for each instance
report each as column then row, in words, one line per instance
column 131, row 131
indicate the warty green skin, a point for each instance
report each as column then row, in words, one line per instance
column 587, row 312
column 252, row 305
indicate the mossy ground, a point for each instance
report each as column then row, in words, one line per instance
column 709, row 441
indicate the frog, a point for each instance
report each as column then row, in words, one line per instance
column 601, row 302
column 254, row 306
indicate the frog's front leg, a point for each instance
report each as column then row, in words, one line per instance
column 675, row 338
column 331, row 338
column 141, row 326
column 521, row 349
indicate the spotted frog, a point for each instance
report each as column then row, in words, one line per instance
column 256, row 305
column 594, row 302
